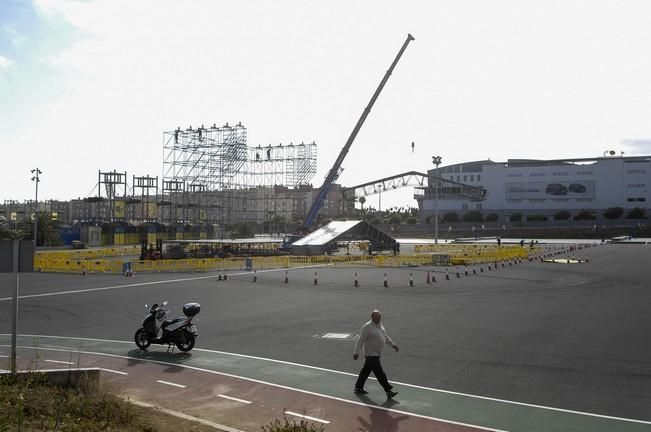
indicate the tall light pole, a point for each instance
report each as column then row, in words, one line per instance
column 36, row 179
column 436, row 160
column 380, row 199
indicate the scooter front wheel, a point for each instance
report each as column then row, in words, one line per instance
column 188, row 344
column 141, row 339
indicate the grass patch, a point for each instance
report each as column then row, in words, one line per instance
column 31, row 404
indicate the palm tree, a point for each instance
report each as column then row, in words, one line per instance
column 48, row 230
column 7, row 233
column 362, row 200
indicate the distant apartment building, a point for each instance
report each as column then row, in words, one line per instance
column 274, row 204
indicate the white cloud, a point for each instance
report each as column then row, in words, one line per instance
column 17, row 39
column 5, row 63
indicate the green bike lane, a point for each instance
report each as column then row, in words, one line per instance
column 427, row 403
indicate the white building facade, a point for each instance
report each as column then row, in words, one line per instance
column 542, row 187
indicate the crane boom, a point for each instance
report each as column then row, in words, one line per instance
column 334, row 171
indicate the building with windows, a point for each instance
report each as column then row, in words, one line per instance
column 540, row 187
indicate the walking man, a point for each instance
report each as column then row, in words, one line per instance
column 371, row 342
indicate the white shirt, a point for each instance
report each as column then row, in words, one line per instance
column 372, row 338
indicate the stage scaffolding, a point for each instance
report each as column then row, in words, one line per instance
column 210, row 174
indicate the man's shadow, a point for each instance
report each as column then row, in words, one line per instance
column 380, row 420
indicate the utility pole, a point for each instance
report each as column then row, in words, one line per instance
column 36, row 179
column 436, row 160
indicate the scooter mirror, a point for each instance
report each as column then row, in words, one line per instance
column 146, row 306
column 165, row 303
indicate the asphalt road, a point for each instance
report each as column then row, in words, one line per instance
column 570, row 336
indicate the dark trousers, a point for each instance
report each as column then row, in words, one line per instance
column 372, row 364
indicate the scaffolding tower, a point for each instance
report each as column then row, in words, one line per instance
column 210, row 174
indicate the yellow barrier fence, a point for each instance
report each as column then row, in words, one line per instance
column 50, row 262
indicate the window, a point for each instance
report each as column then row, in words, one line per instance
column 458, row 178
column 584, row 172
column 465, row 178
column 478, row 206
column 472, row 178
column 630, row 199
column 565, row 173
column 478, row 177
column 636, row 185
column 536, row 174
column 514, row 175
column 464, row 206
column 641, row 199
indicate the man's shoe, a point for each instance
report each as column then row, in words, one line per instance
column 360, row 391
column 391, row 394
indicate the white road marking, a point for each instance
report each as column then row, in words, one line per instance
column 113, row 371
column 183, row 416
column 59, row 361
column 319, row 394
column 152, row 283
column 307, row 417
column 234, row 399
column 171, row 384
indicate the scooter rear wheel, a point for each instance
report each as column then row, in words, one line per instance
column 189, row 342
column 141, row 339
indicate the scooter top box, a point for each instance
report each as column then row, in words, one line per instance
column 191, row 309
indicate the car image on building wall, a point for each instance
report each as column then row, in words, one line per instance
column 556, row 189
column 577, row 188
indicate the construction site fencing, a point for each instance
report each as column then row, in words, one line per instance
column 50, row 262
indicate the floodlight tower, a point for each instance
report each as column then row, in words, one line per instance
column 37, row 180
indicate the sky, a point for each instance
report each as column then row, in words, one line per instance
column 92, row 85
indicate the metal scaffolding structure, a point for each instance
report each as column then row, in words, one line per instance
column 210, row 174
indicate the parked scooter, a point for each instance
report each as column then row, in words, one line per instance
column 157, row 329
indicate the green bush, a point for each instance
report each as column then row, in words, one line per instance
column 290, row 425
column 536, row 218
column 451, row 217
column 492, row 217
column 473, row 216
column 562, row 215
column 395, row 220
column 614, row 213
column 584, row 215
column 412, row 220
column 636, row 213
column 515, row 217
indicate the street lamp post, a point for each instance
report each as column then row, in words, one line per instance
column 380, row 199
column 436, row 160
column 36, row 179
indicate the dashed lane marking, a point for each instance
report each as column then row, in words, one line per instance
column 307, row 417
column 171, row 384
column 184, row 416
column 114, row 371
column 234, row 399
column 59, row 361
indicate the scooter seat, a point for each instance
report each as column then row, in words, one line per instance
column 167, row 323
